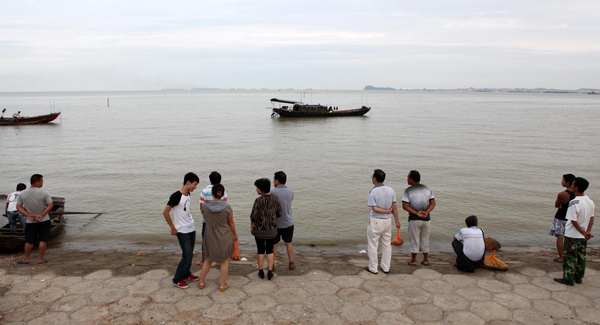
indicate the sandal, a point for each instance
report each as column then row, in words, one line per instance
column 201, row 285
column 412, row 263
column 224, row 288
column 425, row 263
column 292, row 265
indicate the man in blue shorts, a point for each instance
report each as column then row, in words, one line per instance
column 35, row 204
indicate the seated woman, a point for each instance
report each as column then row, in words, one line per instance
column 265, row 213
column 469, row 246
column 219, row 235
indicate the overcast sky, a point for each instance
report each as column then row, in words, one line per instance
column 323, row 44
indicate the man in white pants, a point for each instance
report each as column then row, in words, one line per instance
column 382, row 200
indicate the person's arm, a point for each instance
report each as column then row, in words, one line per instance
column 560, row 198
column 408, row 209
column 169, row 221
column 46, row 210
column 232, row 226
column 395, row 213
column 430, row 207
column 382, row 210
column 588, row 232
column 26, row 213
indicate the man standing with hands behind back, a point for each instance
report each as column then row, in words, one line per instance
column 418, row 201
column 35, row 204
column 382, row 201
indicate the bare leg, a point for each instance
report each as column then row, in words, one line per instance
column 275, row 251
column 28, row 249
column 204, row 272
column 290, row 251
column 42, row 249
column 560, row 247
column 413, row 258
column 224, row 273
column 425, row 261
column 270, row 261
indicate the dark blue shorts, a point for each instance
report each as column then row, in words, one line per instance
column 37, row 231
column 286, row 234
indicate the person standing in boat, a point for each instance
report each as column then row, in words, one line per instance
column 11, row 209
column 35, row 204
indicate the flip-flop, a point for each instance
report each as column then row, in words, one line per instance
column 557, row 260
column 43, row 262
column 201, row 285
column 224, row 288
column 21, row 262
column 423, row 263
column 412, row 264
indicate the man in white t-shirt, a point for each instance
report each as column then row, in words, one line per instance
column 469, row 246
column 12, row 213
column 580, row 219
column 182, row 226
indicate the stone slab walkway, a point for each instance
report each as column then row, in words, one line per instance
column 329, row 286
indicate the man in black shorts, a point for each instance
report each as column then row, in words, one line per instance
column 285, row 225
column 35, row 204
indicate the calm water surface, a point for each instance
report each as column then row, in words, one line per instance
column 499, row 156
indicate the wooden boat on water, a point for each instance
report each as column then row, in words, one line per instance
column 15, row 241
column 299, row 109
column 24, row 120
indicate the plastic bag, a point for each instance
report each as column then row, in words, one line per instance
column 236, row 251
column 397, row 241
column 494, row 263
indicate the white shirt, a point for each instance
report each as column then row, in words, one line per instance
column 581, row 209
column 473, row 243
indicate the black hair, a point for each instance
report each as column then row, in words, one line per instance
column 471, row 221
column 281, row 177
column 569, row 178
column 215, row 178
column 190, row 177
column 581, row 183
column 35, row 178
column 218, row 191
column 379, row 175
column 21, row 186
column 415, row 176
column 263, row 184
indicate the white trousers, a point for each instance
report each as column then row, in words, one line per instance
column 379, row 231
column 418, row 232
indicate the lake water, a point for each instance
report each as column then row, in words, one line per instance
column 499, row 156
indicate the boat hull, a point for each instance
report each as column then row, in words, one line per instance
column 11, row 242
column 282, row 112
column 40, row 119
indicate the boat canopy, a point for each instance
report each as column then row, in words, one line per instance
column 285, row 101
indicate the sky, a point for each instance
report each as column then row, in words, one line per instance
column 325, row 44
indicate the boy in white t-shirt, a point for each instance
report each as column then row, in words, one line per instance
column 182, row 226
column 12, row 213
column 580, row 219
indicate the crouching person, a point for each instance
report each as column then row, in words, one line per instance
column 469, row 246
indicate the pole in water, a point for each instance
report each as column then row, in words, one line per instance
column 108, row 102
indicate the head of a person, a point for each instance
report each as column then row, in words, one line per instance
column 263, row 184
column 215, row 178
column 280, row 177
column 218, row 191
column 471, row 221
column 190, row 177
column 581, row 184
column 21, row 187
column 414, row 176
column 379, row 175
column 568, row 178
column 37, row 179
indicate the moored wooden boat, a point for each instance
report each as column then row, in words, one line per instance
column 299, row 109
column 15, row 241
column 24, row 120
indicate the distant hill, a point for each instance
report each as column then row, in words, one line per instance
column 378, row 88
